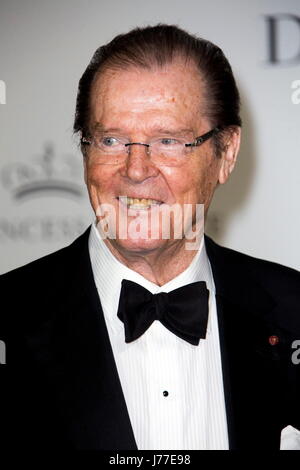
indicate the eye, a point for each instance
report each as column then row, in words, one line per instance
column 169, row 141
column 109, row 141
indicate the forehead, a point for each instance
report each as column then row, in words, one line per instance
column 169, row 95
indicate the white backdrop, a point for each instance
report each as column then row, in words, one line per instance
column 45, row 47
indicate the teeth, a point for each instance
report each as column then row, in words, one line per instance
column 139, row 203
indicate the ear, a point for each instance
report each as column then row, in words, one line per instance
column 229, row 154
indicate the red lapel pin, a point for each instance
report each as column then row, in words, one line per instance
column 273, row 340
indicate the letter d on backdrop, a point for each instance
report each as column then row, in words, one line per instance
column 279, row 50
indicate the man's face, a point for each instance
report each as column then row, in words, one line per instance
column 141, row 105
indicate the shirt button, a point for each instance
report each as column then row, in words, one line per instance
column 165, row 393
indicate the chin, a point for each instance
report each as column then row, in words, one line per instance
column 139, row 245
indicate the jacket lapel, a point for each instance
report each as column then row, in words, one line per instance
column 253, row 370
column 102, row 411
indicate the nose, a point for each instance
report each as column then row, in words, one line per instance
column 138, row 165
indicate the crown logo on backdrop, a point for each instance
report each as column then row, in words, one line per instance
column 46, row 175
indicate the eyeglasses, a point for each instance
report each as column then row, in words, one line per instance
column 164, row 151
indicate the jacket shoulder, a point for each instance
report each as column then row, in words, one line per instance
column 30, row 290
column 45, row 264
column 273, row 276
column 37, row 273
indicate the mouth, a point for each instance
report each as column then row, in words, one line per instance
column 139, row 203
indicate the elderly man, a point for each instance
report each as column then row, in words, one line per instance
column 125, row 340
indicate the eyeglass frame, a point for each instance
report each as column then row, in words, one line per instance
column 196, row 143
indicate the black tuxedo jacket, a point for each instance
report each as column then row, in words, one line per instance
column 60, row 387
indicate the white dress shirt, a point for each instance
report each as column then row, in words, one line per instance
column 191, row 415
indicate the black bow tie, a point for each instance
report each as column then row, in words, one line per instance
column 183, row 311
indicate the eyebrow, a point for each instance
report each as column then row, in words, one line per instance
column 155, row 130
column 168, row 131
column 99, row 127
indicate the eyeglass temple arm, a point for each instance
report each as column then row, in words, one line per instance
column 203, row 138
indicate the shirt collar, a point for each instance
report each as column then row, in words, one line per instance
column 108, row 274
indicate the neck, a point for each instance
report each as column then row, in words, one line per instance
column 158, row 265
